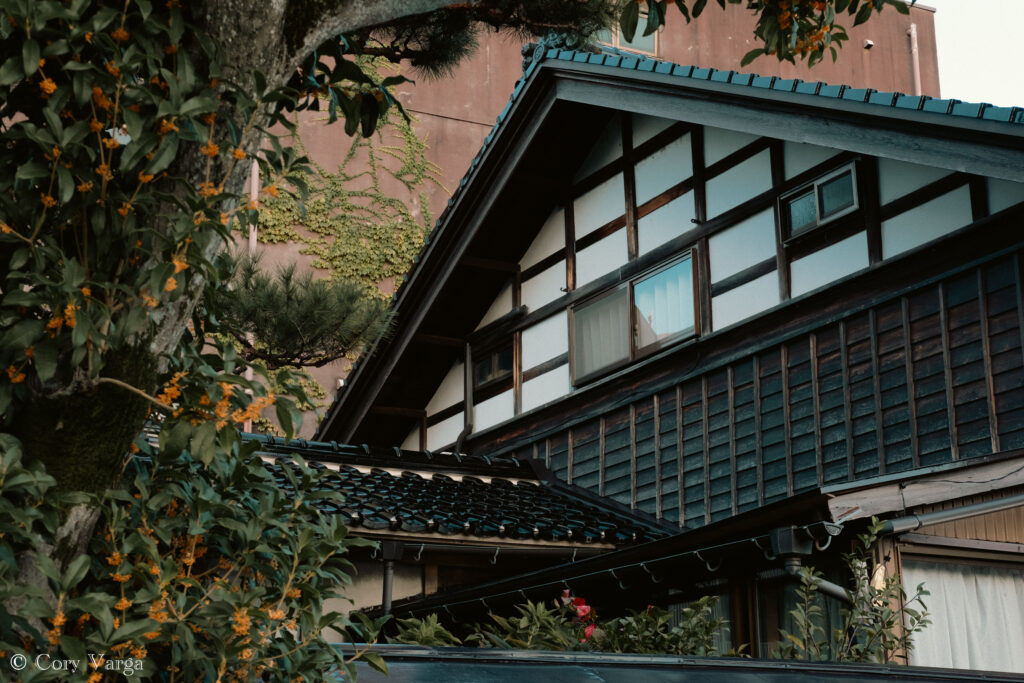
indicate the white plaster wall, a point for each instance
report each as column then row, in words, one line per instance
column 799, row 157
column 544, row 287
column 547, row 387
column 720, row 143
column 929, row 221
column 412, row 440
column 494, row 410
column 607, row 149
column 898, row 178
column 740, row 183
column 744, row 301
column 601, row 257
column 666, row 223
column 1003, row 194
column 668, row 166
column 646, row 127
column 545, row 340
column 367, row 589
column 445, row 432
column 605, row 202
column 743, row 245
column 549, row 240
column 449, row 392
column 828, row 264
column 502, row 305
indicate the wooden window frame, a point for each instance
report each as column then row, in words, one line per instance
column 636, row 352
column 789, row 235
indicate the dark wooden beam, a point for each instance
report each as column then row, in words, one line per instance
column 396, row 411
column 489, row 264
column 438, row 340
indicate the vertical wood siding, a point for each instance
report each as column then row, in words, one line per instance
column 929, row 377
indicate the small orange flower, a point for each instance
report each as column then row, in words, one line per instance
column 96, row 126
column 69, row 314
column 30, row 352
column 88, row 37
column 104, row 171
column 271, row 190
column 179, row 264
column 48, row 86
column 121, row 578
column 111, row 143
column 84, row 186
column 120, row 34
column 6, row 229
column 115, row 559
column 151, row 635
column 150, row 301
column 49, row 201
column 15, row 375
column 124, row 209
column 166, row 127
column 171, row 49
column 171, row 285
column 145, row 177
column 239, row 153
column 123, row 604
column 86, row 291
column 209, row 149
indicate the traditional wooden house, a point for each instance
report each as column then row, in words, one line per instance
column 763, row 310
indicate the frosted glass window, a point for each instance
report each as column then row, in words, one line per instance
column 646, row 127
column 494, row 410
column 897, row 178
column 607, row 149
column 667, row 167
column 1003, row 194
column 445, row 432
column 550, row 240
column 601, row 257
column 546, row 340
column 663, row 305
column 828, row 264
column 798, row 157
column 546, row 387
column 601, row 333
column 836, row 194
column 492, row 366
column 929, row 221
column 449, row 392
column 666, row 223
column 740, row 183
column 600, row 205
column 544, row 287
column 743, row 245
column 802, row 211
column 744, row 301
column 720, row 143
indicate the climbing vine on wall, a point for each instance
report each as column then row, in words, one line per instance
column 350, row 222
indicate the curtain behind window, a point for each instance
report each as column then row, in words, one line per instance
column 977, row 615
column 602, row 333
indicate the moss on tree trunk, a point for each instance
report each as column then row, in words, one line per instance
column 82, row 439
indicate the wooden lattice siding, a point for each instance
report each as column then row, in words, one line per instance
column 925, row 378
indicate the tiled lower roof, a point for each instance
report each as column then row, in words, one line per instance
column 447, row 495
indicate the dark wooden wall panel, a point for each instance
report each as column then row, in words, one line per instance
column 920, row 379
column 646, row 458
column 586, row 456
column 618, row 459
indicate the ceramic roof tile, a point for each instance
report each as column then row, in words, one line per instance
column 831, row 90
column 701, row 74
column 910, row 101
column 682, row 71
column 629, row 63
column 857, row 94
column 999, row 113
column 938, row 106
column 809, row 87
column 786, row 84
column 969, row 109
column 721, row 76
column 763, row 81
column 664, row 67
column 883, row 98
column 447, row 494
column 741, row 79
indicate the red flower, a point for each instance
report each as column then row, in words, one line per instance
column 587, row 633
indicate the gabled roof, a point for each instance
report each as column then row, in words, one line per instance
column 432, row 497
column 556, row 109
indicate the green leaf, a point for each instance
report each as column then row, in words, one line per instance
column 863, row 14
column 751, row 56
column 628, row 20
column 376, row 662
column 174, row 440
column 164, row 155
column 65, row 184
column 204, row 442
column 45, row 360
column 75, row 572
column 30, row 57
column 698, row 7
column 11, row 71
column 31, row 171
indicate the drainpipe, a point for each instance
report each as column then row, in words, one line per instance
column 254, row 193
column 902, row 525
column 390, row 551
column 790, row 543
column 915, row 58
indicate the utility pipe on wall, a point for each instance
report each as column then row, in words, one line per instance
column 915, row 58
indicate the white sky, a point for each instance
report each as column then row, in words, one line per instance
column 979, row 52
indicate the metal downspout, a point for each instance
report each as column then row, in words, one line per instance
column 902, row 525
column 915, row 58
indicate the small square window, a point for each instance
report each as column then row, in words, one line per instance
column 820, row 201
column 640, row 43
column 493, row 366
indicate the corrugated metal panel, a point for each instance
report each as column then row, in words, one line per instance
column 1006, row 526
